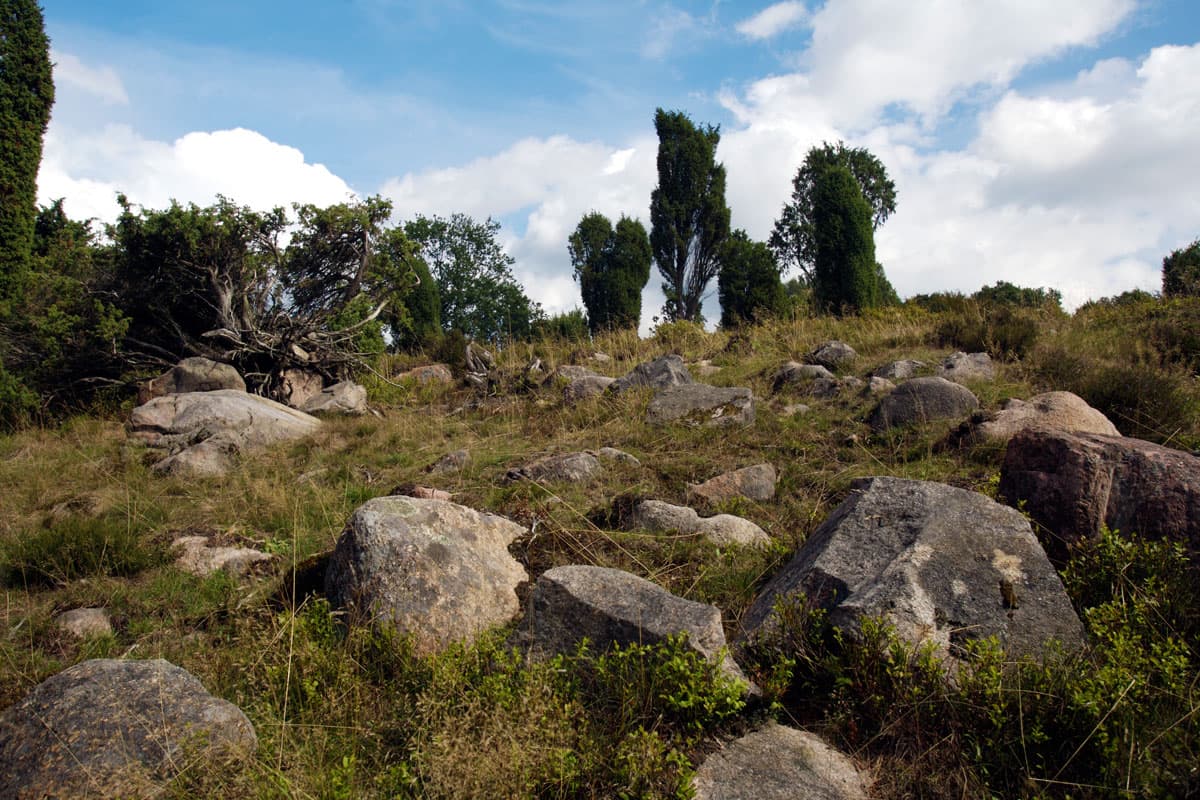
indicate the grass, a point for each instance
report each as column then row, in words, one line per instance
column 356, row 714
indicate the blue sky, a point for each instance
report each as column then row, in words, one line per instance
column 1045, row 143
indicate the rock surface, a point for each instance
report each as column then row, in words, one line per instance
column 85, row 623
column 1072, row 484
column 1060, row 411
column 620, row 456
column 610, row 607
column 297, row 386
column 198, row 558
column 834, row 355
column 107, row 728
column 722, row 530
column 430, row 373
column 346, row 397
column 699, row 404
column 194, row 374
column 437, row 570
column 780, row 763
column 567, row 467
column 941, row 564
column 663, row 371
column 753, row 483
column 451, row 462
column 215, row 425
column 877, row 386
column 968, row 367
column 571, row 372
column 921, row 400
column 793, row 372
column 588, row 386
column 899, row 370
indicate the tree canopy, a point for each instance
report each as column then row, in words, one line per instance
column 1181, row 272
column 794, row 237
column 748, row 285
column 845, row 273
column 689, row 219
column 611, row 266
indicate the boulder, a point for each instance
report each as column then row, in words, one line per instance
column 967, row 367
column 568, row 468
column 834, row 355
column 794, row 373
column 876, row 386
column 297, row 386
column 700, row 404
column 571, row 372
column 722, row 530
column 1074, row 483
column 780, row 763
column 900, row 370
column 197, row 557
column 609, row 607
column 663, row 371
column 922, row 400
column 215, row 425
column 1060, row 411
column 753, row 483
column 108, row 728
column 429, row 373
column 346, row 397
column 620, row 456
column 939, row 563
column 451, row 462
column 194, row 374
column 588, row 386
column 433, row 569
column 85, row 623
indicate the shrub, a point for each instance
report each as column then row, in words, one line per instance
column 77, row 548
column 1002, row 331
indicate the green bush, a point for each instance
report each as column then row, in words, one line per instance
column 77, row 548
column 1001, row 331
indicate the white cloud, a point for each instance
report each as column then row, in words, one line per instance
column 773, row 20
column 101, row 82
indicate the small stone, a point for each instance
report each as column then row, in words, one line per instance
column 752, row 483
column 86, row 623
column 451, row 462
column 197, row 558
column 569, row 467
column 620, row 456
column 833, row 355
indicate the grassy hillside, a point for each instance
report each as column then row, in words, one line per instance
column 356, row 714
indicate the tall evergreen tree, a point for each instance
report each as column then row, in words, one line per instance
column 26, row 95
column 845, row 274
column 1181, row 272
column 688, row 216
column 612, row 266
column 748, row 285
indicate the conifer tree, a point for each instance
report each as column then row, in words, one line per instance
column 845, row 274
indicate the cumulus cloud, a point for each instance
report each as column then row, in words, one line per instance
column 773, row 20
column 101, row 82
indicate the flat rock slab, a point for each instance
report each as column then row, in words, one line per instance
column 722, row 530
column 663, row 371
column 752, row 483
column 219, row 423
column 941, row 564
column 571, row 372
column 968, row 367
column 698, row 404
column 780, row 763
column 1074, row 483
column 346, row 397
column 1059, row 411
column 430, row 568
column 586, row 387
column 833, row 355
column 920, row 401
column 610, row 607
column 107, row 728
column 567, row 467
column 197, row 557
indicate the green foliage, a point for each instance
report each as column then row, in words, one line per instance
column 18, row 404
column 612, row 266
column 1011, row 295
column 1181, row 272
column 423, row 303
column 77, row 548
column 26, row 96
column 478, row 292
column 689, row 219
column 844, row 271
column 569, row 326
column 748, row 284
column 794, row 237
column 1002, row 331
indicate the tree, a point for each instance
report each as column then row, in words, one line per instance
column 612, row 267
column 748, row 284
column 26, row 96
column 421, row 321
column 844, row 275
column 479, row 294
column 688, row 216
column 794, row 236
column 1181, row 272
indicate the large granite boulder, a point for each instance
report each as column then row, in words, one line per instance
column 1060, row 411
column 780, row 763
column 346, row 397
column 699, row 404
column 722, row 530
column 609, row 607
column 668, row 370
column 1071, row 484
column 833, row 355
column 922, row 400
column 967, row 367
column 753, row 483
column 433, row 569
column 107, row 728
column 194, row 374
column 939, row 563
column 199, row 432
column 567, row 467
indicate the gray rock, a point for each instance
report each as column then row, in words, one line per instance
column 194, row 374
column 583, row 388
column 780, row 763
column 900, row 370
column 451, row 462
column 722, row 530
column 571, row 372
column 753, row 483
column 297, row 386
column 85, row 623
column 794, row 373
column 434, row 569
column 795, row 410
column 922, row 400
column 699, row 404
column 941, row 564
column 346, row 397
column 705, row 368
column 568, row 468
column 107, row 728
column 198, row 558
column 968, row 367
column 429, row 373
column 609, row 607
column 877, row 386
column 1058, row 411
column 834, row 354
column 600, row 358
column 620, row 456
column 222, row 423
column 663, row 371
